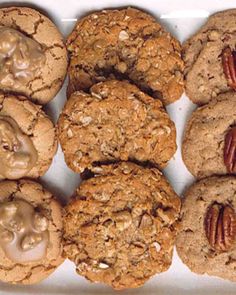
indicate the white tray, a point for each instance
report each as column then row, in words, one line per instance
column 182, row 18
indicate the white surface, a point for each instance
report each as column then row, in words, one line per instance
column 182, row 18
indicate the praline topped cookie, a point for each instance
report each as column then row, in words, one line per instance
column 126, row 43
column 210, row 66
column 115, row 121
column 121, row 227
column 206, row 242
column 30, row 232
column 33, row 57
column 28, row 138
column 209, row 145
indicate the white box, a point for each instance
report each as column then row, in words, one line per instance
column 182, row 18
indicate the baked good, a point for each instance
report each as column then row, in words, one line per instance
column 28, row 138
column 33, row 57
column 125, row 44
column 209, row 144
column 30, row 232
column 209, row 55
column 121, row 227
column 206, row 241
column 115, row 121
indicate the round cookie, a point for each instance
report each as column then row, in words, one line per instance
column 115, row 121
column 30, row 231
column 125, row 44
column 207, row 57
column 28, row 138
column 33, row 57
column 206, row 241
column 204, row 143
column 121, row 227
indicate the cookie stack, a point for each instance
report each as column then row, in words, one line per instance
column 32, row 70
column 207, row 239
column 121, row 227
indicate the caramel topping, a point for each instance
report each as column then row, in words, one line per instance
column 20, row 58
column 17, row 152
column 21, row 238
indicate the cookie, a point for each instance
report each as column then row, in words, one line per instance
column 28, row 138
column 209, row 61
column 125, row 44
column 30, row 231
column 33, row 57
column 206, row 242
column 115, row 121
column 207, row 148
column 120, row 228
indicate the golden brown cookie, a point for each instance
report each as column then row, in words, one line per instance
column 125, row 44
column 209, row 58
column 28, row 138
column 121, row 227
column 115, row 121
column 206, row 242
column 33, row 57
column 209, row 144
column 30, row 232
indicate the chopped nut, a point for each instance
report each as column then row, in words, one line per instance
column 123, row 35
column 40, row 222
column 146, row 221
column 103, row 265
column 30, row 241
column 69, row 133
column 86, row 120
column 122, row 219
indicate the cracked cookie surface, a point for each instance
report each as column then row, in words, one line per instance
column 33, row 24
column 36, row 195
column 125, row 44
column 202, row 53
column 204, row 138
column 116, row 121
column 120, row 228
column 192, row 244
column 34, row 123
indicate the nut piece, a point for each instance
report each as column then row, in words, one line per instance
column 220, row 227
column 229, row 66
column 30, row 241
column 40, row 222
column 230, row 150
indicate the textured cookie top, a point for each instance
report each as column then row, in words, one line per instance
column 206, row 241
column 116, row 121
column 203, row 53
column 32, row 125
column 120, row 229
column 128, row 44
column 29, row 272
column 205, row 135
column 37, row 27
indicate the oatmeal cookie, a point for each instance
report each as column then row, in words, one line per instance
column 33, row 57
column 210, row 67
column 28, row 138
column 128, row 44
column 209, row 144
column 30, row 232
column 115, row 121
column 206, row 242
column 121, row 227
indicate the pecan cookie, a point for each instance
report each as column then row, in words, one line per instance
column 33, row 57
column 210, row 67
column 209, row 145
column 116, row 121
column 206, row 242
column 30, row 232
column 28, row 138
column 125, row 44
column 121, row 227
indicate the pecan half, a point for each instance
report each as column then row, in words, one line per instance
column 220, row 227
column 229, row 66
column 230, row 150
